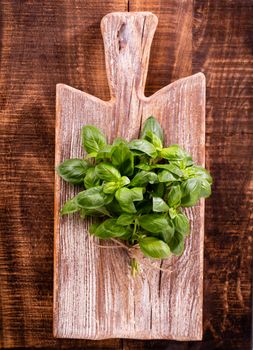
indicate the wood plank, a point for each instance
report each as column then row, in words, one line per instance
column 42, row 44
column 95, row 295
column 222, row 49
column 36, row 54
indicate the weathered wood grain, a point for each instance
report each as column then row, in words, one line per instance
column 222, row 48
column 95, row 295
column 43, row 43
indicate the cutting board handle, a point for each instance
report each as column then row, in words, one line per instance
column 127, row 41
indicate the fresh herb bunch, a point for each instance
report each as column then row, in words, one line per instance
column 137, row 188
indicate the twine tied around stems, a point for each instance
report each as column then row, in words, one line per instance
column 135, row 255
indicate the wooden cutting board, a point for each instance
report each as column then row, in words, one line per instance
column 95, row 296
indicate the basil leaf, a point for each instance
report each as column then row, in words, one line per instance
column 155, row 223
column 166, row 176
column 119, row 140
column 123, row 181
column 110, row 187
column 144, row 166
column 92, row 228
column 105, row 152
column 154, row 139
column 182, row 224
column 143, row 207
column 174, row 196
column 126, row 196
column 143, row 146
column 154, row 248
column 199, row 171
column 125, row 219
column 205, row 188
column 172, row 213
column 174, row 152
column 110, row 229
column 137, row 193
column 168, row 233
column 114, row 208
column 151, row 124
column 70, row 207
column 93, row 139
column 191, row 190
column 93, row 198
column 159, row 205
column 172, row 168
column 91, row 179
column 123, row 159
column 177, row 244
column 107, row 172
column 143, row 178
column 158, row 189
column 101, row 211
column 91, row 155
column 73, row 170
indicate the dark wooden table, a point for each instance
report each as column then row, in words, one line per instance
column 47, row 42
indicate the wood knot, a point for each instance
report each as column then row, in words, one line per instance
column 121, row 35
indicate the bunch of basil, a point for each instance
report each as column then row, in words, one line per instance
column 138, row 188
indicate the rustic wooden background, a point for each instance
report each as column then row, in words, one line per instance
column 47, row 42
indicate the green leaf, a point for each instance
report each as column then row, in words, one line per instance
column 143, row 178
column 144, row 207
column 124, row 181
column 151, row 124
column 107, row 172
column 91, row 179
column 205, row 188
column 114, row 208
column 158, row 189
column 93, row 139
column 101, row 211
column 144, row 166
column 174, row 152
column 70, row 207
column 199, row 171
column 93, row 227
column 191, row 190
column 137, row 193
column 166, row 176
column 73, row 170
column 177, row 244
column 125, row 219
column 143, row 146
column 105, row 152
column 154, row 139
column 159, row 205
column 110, row 187
column 172, row 168
column 154, row 248
column 93, row 198
column 158, row 224
column 110, row 229
column 173, row 213
column 174, row 196
column 182, row 224
column 126, row 196
column 119, row 140
column 91, row 155
column 123, row 159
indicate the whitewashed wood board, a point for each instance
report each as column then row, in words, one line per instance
column 95, row 296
